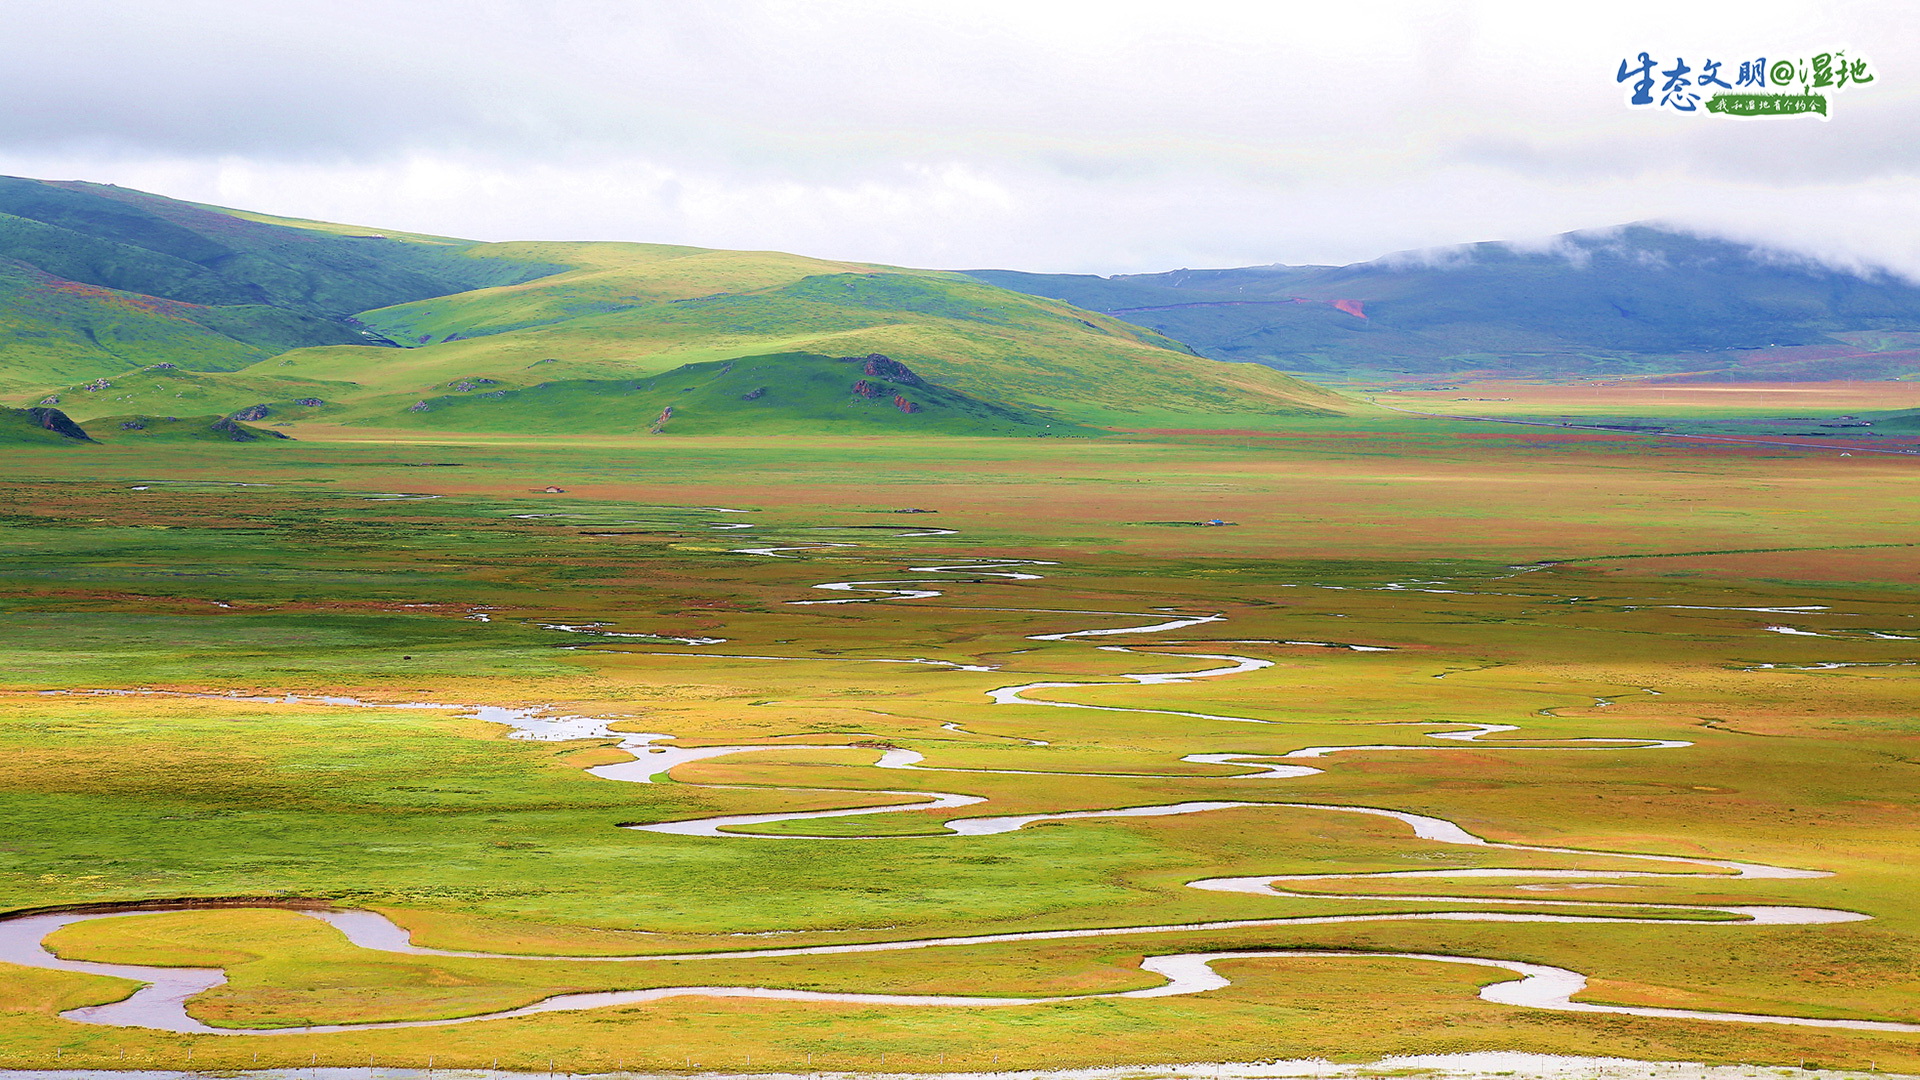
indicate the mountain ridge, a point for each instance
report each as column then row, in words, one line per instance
column 1633, row 301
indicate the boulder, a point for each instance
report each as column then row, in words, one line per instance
column 234, row 430
column 59, row 423
column 882, row 366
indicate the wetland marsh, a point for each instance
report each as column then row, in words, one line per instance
column 1444, row 708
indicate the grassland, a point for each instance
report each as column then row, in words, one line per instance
column 631, row 311
column 119, row 302
column 1578, row 585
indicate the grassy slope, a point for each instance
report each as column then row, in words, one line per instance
column 96, row 279
column 187, row 251
column 213, row 428
column 785, row 393
column 54, row 331
column 159, row 391
column 631, row 310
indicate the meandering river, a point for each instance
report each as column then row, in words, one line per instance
column 161, row 1001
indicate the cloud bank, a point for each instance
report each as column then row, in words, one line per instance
column 1109, row 137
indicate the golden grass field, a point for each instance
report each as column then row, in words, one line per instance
column 1575, row 587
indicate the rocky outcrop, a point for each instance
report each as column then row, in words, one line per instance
column 309, row 402
column 50, row 399
column 881, row 366
column 900, row 402
column 133, row 425
column 754, row 394
column 866, row 389
column 419, row 406
column 473, row 383
column 254, row 412
column 57, row 422
column 233, row 429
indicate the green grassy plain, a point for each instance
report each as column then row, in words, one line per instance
column 1575, row 584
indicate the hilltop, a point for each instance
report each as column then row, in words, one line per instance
column 95, row 279
column 1632, row 301
column 119, row 302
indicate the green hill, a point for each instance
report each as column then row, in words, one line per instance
column 123, row 303
column 792, row 393
column 169, row 390
column 96, row 279
column 629, row 310
column 174, row 429
column 39, row 426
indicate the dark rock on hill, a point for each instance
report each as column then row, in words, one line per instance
column 881, row 366
column 232, row 428
column 57, row 422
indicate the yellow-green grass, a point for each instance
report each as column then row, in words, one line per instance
column 1655, row 398
column 479, row 842
column 625, row 311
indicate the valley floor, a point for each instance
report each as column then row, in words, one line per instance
column 714, row 754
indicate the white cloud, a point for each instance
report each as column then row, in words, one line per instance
column 1106, row 137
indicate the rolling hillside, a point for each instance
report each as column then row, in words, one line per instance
column 791, row 393
column 318, row 321
column 96, row 279
column 1635, row 301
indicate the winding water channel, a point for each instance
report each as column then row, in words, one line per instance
column 161, row 1001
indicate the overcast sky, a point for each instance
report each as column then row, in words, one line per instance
column 1093, row 137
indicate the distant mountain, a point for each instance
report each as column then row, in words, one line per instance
column 118, row 303
column 1631, row 301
